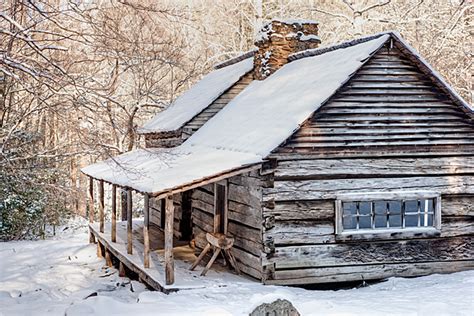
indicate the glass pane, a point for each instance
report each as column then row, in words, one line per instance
column 364, row 222
column 411, row 206
column 428, row 218
column 380, row 221
column 349, row 208
column 427, row 205
column 380, row 207
column 411, row 220
column 395, row 220
column 395, row 207
column 364, row 208
column 349, row 222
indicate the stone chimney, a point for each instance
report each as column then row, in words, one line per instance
column 280, row 38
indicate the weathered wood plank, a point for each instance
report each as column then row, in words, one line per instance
column 287, row 153
column 246, row 195
column 463, row 137
column 129, row 222
column 114, row 213
column 388, row 111
column 327, row 189
column 366, row 272
column 327, row 255
column 146, row 226
column 344, row 168
column 91, row 207
column 301, row 210
column 101, row 206
column 457, row 205
column 392, row 118
column 301, row 232
column 169, row 260
column 362, row 143
column 315, row 130
column 377, row 125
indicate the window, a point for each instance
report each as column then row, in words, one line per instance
column 397, row 211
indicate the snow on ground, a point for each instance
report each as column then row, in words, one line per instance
column 63, row 276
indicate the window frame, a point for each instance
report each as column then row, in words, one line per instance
column 388, row 196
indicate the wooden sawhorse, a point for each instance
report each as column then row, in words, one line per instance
column 219, row 242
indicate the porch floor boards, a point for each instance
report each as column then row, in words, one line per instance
column 155, row 275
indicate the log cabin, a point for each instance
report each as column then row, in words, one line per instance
column 325, row 164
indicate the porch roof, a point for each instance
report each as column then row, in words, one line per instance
column 168, row 170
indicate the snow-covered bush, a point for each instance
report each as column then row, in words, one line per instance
column 26, row 208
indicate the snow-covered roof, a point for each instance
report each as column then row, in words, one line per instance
column 154, row 170
column 251, row 125
column 197, row 98
column 255, row 122
column 266, row 112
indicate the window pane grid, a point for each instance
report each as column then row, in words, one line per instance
column 388, row 214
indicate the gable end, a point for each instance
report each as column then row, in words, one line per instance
column 388, row 106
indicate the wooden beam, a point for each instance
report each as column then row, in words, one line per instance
column 129, row 222
column 169, row 260
column 146, row 239
column 100, row 250
column 114, row 213
column 122, row 271
column 207, row 180
column 91, row 200
column 108, row 258
column 101, row 206
column 91, row 208
column 123, row 204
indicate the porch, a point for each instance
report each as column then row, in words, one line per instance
column 155, row 275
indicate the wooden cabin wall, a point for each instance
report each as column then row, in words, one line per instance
column 163, row 139
column 244, row 219
column 155, row 214
column 389, row 129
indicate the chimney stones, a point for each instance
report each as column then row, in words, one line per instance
column 280, row 38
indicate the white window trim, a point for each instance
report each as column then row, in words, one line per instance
column 395, row 196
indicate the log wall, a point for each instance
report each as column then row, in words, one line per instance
column 155, row 214
column 244, row 219
column 388, row 129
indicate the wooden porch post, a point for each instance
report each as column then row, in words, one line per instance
column 101, row 206
column 146, row 239
column 114, row 213
column 91, row 208
column 169, row 260
column 129, row 222
column 123, row 204
column 91, row 200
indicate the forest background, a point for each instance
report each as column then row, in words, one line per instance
column 77, row 77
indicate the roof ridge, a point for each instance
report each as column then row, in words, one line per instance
column 323, row 50
column 235, row 59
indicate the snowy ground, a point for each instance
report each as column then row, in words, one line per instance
column 63, row 276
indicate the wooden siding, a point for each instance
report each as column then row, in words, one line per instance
column 199, row 120
column 244, row 219
column 389, row 106
column 388, row 129
column 163, row 139
column 155, row 214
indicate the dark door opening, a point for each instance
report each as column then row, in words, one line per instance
column 220, row 207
